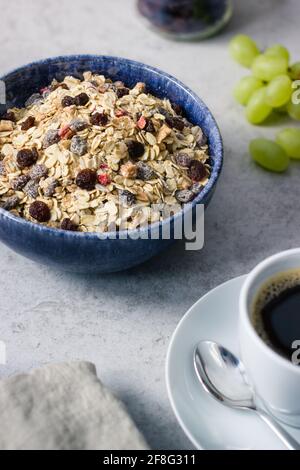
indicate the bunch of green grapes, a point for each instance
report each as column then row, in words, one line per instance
column 269, row 88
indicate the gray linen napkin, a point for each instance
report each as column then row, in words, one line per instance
column 63, row 406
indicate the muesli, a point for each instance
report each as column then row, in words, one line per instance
column 82, row 149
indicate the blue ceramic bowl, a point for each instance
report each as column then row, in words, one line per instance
column 87, row 252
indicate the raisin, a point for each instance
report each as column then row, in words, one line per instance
column 122, row 91
column 144, row 171
column 2, row 169
column 56, row 85
column 40, row 211
column 149, row 126
column 175, row 122
column 135, row 149
column 20, row 182
column 163, row 111
column 78, row 125
column 99, row 119
column 67, row 224
column 38, row 172
column 126, row 197
column 26, row 158
column 51, row 137
column 67, row 101
column 10, row 203
column 177, row 109
column 33, row 99
column 78, row 145
column 197, row 171
column 184, row 195
column 28, row 123
column 9, row 116
column 82, row 99
column 182, row 159
column 86, row 179
column 32, row 189
column 49, row 190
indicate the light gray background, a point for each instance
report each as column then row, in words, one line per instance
column 123, row 322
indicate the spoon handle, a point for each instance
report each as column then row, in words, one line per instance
column 289, row 442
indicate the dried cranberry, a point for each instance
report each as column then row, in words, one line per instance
column 86, row 179
column 99, row 119
column 78, row 145
column 82, row 99
column 10, row 203
column 9, row 116
column 26, row 158
column 135, row 149
column 175, row 122
column 145, row 124
column 51, row 137
column 104, row 179
column 144, row 171
column 65, row 132
column 20, row 182
column 122, row 91
column 67, row 101
column 120, row 113
column 28, row 123
column 67, row 224
column 182, row 159
column 40, row 211
column 126, row 197
column 197, row 171
column 185, row 195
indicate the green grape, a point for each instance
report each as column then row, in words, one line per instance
column 243, row 50
column 257, row 109
column 289, row 140
column 278, row 51
column 279, row 91
column 267, row 67
column 269, row 155
column 245, row 89
column 294, row 110
column 294, row 71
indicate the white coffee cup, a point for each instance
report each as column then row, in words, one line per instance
column 275, row 379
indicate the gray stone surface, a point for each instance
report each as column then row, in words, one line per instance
column 123, row 322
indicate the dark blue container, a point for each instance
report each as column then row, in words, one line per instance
column 87, row 252
column 186, row 19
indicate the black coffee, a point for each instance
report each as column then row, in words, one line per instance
column 276, row 313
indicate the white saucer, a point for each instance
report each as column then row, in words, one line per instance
column 207, row 423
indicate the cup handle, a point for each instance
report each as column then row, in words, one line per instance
column 289, row 442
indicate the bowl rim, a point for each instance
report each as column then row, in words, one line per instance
column 133, row 233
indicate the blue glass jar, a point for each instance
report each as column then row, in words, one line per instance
column 186, row 19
